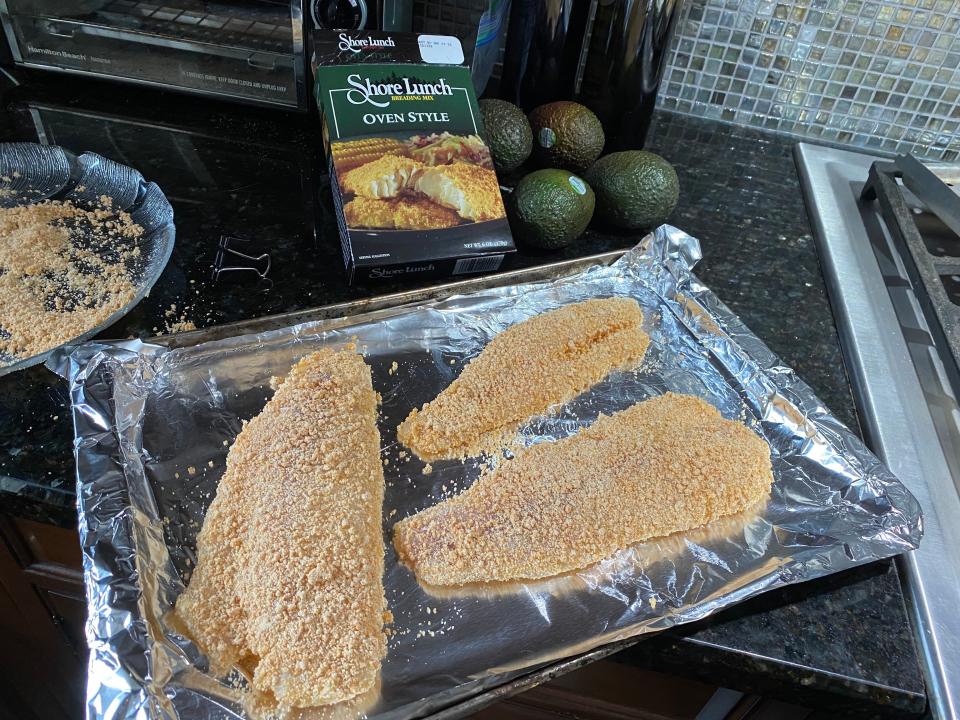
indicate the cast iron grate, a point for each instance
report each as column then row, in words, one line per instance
column 932, row 262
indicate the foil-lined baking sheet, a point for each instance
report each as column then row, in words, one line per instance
column 153, row 427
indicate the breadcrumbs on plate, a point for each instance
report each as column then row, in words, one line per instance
column 63, row 271
column 665, row 465
column 522, row 372
column 289, row 579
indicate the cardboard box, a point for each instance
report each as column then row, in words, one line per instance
column 413, row 182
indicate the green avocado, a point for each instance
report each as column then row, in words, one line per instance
column 566, row 135
column 636, row 189
column 508, row 135
column 550, row 208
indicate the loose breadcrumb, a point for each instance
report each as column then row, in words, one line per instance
column 289, row 583
column 63, row 271
column 524, row 370
column 668, row 464
column 180, row 326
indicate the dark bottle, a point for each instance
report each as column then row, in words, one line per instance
column 626, row 52
column 543, row 49
column 607, row 54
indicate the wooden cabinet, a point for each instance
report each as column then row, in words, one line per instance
column 42, row 615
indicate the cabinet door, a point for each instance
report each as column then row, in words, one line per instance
column 42, row 612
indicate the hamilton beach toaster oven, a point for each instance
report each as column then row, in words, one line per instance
column 248, row 50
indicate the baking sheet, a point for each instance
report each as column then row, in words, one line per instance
column 153, row 426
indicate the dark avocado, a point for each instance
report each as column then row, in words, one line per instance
column 636, row 189
column 550, row 208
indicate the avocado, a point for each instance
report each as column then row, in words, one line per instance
column 508, row 136
column 636, row 189
column 550, row 208
column 566, row 135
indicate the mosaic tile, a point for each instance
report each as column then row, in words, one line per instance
column 881, row 75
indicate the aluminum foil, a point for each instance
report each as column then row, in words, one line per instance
column 153, row 426
column 32, row 173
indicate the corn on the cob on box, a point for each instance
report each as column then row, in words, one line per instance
column 413, row 183
column 355, row 153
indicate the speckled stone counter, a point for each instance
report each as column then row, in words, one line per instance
column 842, row 644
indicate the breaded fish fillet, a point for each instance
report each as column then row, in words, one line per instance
column 420, row 213
column 471, row 190
column 383, row 178
column 290, row 558
column 370, row 213
column 664, row 465
column 400, row 214
column 530, row 366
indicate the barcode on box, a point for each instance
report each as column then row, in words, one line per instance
column 479, row 264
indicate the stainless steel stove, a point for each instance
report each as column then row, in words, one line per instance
column 891, row 258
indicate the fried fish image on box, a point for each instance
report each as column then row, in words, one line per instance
column 400, row 215
column 413, row 182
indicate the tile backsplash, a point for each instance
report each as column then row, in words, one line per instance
column 878, row 75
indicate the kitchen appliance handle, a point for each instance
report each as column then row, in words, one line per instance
column 52, row 29
column 259, row 65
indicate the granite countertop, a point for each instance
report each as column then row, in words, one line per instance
column 842, row 643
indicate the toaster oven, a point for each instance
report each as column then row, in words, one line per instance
column 249, row 50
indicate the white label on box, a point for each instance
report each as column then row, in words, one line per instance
column 440, row 49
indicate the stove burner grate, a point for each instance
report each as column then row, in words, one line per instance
column 934, row 269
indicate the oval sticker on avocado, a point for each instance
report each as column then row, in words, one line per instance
column 547, row 137
column 577, row 184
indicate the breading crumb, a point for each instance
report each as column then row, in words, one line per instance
column 63, row 271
